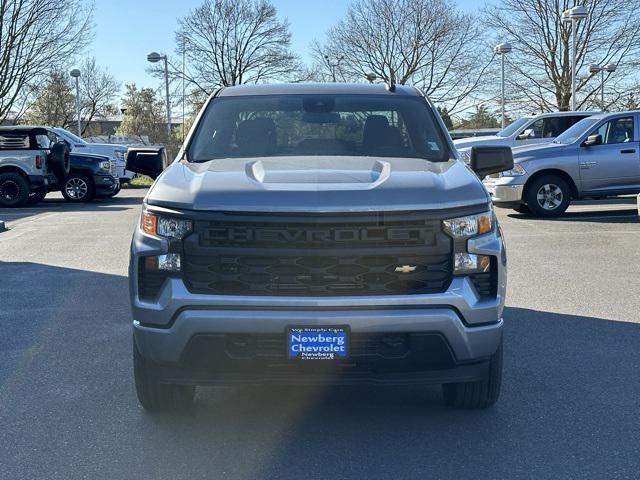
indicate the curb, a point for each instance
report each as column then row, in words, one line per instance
column 2, row 226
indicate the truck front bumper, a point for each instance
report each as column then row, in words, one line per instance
column 505, row 195
column 220, row 339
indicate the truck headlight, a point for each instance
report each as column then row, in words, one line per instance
column 164, row 226
column 517, row 171
column 469, row 226
column 106, row 165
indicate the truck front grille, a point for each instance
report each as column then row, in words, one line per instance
column 318, row 255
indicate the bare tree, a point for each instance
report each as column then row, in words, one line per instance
column 541, row 60
column 98, row 91
column 230, row 42
column 36, row 36
column 427, row 43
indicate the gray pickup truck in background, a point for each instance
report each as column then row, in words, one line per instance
column 318, row 234
column 597, row 157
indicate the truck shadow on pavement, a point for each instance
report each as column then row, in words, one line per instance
column 596, row 216
column 116, row 204
column 569, row 407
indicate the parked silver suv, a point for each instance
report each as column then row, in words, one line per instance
column 599, row 156
column 314, row 234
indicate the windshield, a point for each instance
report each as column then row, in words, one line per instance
column 576, row 131
column 287, row 125
column 513, row 127
column 67, row 133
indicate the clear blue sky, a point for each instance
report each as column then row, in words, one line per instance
column 126, row 30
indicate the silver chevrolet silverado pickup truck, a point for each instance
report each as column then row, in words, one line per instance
column 318, row 234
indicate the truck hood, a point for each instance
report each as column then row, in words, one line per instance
column 111, row 146
column 317, row 184
column 484, row 140
column 531, row 152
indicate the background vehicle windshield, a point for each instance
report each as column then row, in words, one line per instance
column 576, row 131
column 67, row 133
column 285, row 125
column 513, row 127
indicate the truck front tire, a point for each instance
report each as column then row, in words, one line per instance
column 14, row 190
column 548, row 196
column 155, row 396
column 480, row 394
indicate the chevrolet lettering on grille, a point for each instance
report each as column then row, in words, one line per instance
column 316, row 235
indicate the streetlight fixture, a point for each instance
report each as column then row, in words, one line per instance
column 574, row 15
column 75, row 73
column 333, row 66
column 371, row 77
column 595, row 68
column 155, row 57
column 502, row 49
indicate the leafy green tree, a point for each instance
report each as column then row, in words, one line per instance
column 143, row 114
column 481, row 118
column 55, row 102
column 444, row 113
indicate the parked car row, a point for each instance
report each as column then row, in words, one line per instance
column 597, row 155
column 36, row 160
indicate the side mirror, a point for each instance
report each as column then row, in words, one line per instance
column 147, row 161
column 593, row 140
column 486, row 160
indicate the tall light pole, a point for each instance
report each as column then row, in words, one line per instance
column 502, row 49
column 595, row 68
column 574, row 15
column 155, row 57
column 75, row 73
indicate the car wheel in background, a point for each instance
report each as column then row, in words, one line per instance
column 14, row 190
column 480, row 394
column 155, row 396
column 36, row 197
column 548, row 196
column 78, row 188
column 117, row 191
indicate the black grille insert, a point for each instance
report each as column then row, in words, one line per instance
column 375, row 254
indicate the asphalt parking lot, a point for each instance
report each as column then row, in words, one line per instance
column 569, row 407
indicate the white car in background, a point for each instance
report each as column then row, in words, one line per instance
column 525, row 131
column 111, row 150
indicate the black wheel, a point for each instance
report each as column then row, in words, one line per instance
column 36, row 197
column 155, row 396
column 115, row 192
column 548, row 196
column 481, row 394
column 78, row 188
column 59, row 161
column 14, row 190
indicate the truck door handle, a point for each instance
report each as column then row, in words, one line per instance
column 628, row 150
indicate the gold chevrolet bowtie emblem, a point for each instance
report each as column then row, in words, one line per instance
column 405, row 268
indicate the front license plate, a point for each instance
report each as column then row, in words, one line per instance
column 317, row 343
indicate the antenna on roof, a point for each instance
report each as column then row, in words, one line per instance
column 391, row 84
